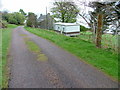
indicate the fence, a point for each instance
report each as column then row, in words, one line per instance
column 108, row 41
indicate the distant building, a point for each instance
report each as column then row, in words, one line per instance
column 68, row 29
column 45, row 21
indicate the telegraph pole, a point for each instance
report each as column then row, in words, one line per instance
column 46, row 19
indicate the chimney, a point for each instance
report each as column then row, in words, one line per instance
column 40, row 15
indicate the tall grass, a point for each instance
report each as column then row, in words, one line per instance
column 108, row 41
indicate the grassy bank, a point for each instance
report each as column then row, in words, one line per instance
column 6, row 37
column 105, row 60
column 108, row 41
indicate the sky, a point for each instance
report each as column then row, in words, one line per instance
column 36, row 6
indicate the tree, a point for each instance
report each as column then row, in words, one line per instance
column 20, row 18
column 5, row 16
column 13, row 18
column 65, row 11
column 32, row 20
column 101, row 17
column 22, row 12
column 16, row 18
column 110, row 16
column 98, row 11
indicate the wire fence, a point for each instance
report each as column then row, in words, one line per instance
column 109, row 42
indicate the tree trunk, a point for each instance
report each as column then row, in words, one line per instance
column 94, row 32
column 99, row 31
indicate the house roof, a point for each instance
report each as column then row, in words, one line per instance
column 41, row 18
column 66, row 24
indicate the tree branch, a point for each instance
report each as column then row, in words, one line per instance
column 85, row 19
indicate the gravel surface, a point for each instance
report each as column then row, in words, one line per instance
column 61, row 70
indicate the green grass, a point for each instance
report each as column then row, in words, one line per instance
column 11, row 26
column 35, row 48
column 6, row 37
column 32, row 46
column 105, row 60
column 0, row 58
column 108, row 41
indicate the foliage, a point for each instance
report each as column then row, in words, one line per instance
column 65, row 11
column 82, row 28
column 102, row 59
column 14, row 18
column 5, row 16
column 4, row 24
column 108, row 15
column 22, row 12
column 110, row 11
column 32, row 20
column 111, row 14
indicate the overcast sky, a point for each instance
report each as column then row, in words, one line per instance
column 36, row 6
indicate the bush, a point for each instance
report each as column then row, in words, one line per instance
column 4, row 24
column 82, row 28
column 14, row 18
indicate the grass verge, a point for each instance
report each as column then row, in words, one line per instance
column 0, row 58
column 6, row 37
column 104, row 60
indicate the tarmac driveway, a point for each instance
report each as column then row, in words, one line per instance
column 61, row 70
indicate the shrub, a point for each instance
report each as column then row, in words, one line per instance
column 82, row 28
column 4, row 24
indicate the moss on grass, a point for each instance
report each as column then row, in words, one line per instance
column 42, row 57
column 35, row 48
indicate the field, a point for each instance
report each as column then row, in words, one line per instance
column 109, row 42
column 4, row 45
column 103, row 59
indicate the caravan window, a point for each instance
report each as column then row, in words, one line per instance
column 63, row 28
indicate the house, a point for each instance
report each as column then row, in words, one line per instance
column 45, row 21
column 68, row 29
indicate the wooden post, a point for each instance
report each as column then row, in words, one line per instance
column 99, row 31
